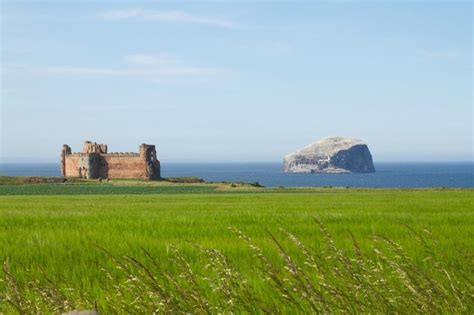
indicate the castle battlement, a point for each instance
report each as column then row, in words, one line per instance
column 95, row 162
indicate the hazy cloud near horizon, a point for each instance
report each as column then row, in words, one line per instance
column 173, row 16
column 237, row 81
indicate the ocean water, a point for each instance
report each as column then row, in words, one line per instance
column 270, row 174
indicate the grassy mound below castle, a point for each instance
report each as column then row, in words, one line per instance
column 10, row 185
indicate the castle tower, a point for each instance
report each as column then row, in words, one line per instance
column 64, row 152
column 148, row 154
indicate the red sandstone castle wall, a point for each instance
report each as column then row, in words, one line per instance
column 72, row 165
column 116, row 166
column 125, row 166
column 95, row 162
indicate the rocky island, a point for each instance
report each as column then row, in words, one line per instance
column 331, row 155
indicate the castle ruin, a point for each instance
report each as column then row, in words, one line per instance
column 95, row 162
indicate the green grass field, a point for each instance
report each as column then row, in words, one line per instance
column 127, row 248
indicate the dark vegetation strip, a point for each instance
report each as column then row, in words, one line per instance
column 108, row 189
column 87, row 189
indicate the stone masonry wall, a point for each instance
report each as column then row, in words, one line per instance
column 115, row 166
column 95, row 162
column 72, row 166
column 125, row 166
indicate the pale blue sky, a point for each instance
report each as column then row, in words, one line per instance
column 237, row 81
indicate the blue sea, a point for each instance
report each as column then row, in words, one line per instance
column 270, row 174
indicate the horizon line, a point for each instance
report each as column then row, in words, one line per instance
column 50, row 161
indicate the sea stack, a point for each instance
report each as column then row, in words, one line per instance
column 331, row 155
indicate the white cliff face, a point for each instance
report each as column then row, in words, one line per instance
column 330, row 155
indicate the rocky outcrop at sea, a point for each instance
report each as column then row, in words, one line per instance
column 331, row 155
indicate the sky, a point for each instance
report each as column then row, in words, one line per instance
column 209, row 81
